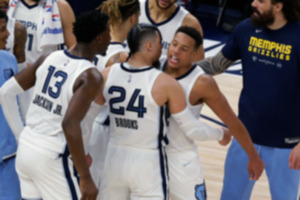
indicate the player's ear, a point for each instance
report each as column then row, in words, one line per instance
column 278, row 7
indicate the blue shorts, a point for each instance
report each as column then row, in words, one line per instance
column 9, row 181
column 283, row 182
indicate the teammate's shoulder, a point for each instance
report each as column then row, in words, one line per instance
column 6, row 54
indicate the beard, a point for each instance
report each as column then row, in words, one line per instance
column 262, row 20
column 164, row 8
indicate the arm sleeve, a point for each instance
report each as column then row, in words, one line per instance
column 8, row 99
column 87, row 123
column 196, row 129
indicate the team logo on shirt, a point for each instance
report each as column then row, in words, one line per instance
column 200, row 192
column 270, row 49
column 8, row 73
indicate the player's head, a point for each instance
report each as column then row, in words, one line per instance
column 4, row 5
column 165, row 4
column 290, row 9
column 264, row 12
column 183, row 48
column 90, row 26
column 3, row 30
column 121, row 10
column 145, row 37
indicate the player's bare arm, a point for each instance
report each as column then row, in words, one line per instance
column 26, row 78
column 20, row 42
column 206, row 88
column 67, row 20
column 117, row 58
column 216, row 64
column 167, row 90
column 192, row 21
column 86, row 88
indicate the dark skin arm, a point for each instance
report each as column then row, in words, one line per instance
column 26, row 78
column 207, row 90
column 20, row 42
column 86, row 88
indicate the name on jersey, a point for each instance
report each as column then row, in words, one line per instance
column 126, row 123
column 270, row 49
column 47, row 104
column 29, row 25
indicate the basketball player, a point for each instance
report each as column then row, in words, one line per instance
column 9, row 182
column 17, row 39
column 47, row 19
column 186, row 176
column 123, row 15
column 137, row 93
column 168, row 17
column 269, row 46
column 65, row 85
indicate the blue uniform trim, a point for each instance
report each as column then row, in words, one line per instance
column 28, row 6
column 161, row 23
column 186, row 74
column 68, row 174
column 135, row 70
column 74, row 57
column 162, row 154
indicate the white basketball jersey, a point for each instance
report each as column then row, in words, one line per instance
column 113, row 48
column 11, row 39
column 167, row 27
column 178, row 139
column 29, row 17
column 135, row 118
column 52, row 93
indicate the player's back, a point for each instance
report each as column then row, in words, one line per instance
column 52, row 92
column 136, row 119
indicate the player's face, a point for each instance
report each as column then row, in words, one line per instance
column 105, row 40
column 263, row 14
column 3, row 33
column 181, row 51
column 165, row 4
column 4, row 5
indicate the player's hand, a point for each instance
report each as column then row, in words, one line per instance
column 88, row 189
column 226, row 138
column 255, row 167
column 89, row 159
column 294, row 159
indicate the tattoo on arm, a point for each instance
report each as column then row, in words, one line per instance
column 116, row 58
column 215, row 65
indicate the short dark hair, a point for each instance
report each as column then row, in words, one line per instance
column 291, row 9
column 193, row 33
column 88, row 25
column 3, row 15
column 138, row 33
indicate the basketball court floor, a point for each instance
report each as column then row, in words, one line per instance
column 212, row 154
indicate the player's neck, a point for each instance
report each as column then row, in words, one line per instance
column 117, row 33
column 82, row 51
column 279, row 22
column 139, row 60
column 177, row 71
column 159, row 15
column 31, row 2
